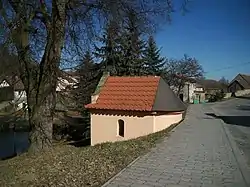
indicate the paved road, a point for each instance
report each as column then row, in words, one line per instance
column 200, row 152
column 236, row 114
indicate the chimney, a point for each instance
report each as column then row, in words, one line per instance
column 103, row 79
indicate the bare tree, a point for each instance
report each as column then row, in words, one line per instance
column 224, row 81
column 41, row 33
column 178, row 72
column 8, row 62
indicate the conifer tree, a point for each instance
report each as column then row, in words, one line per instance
column 109, row 51
column 89, row 74
column 154, row 63
column 132, row 48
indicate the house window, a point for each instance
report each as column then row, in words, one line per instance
column 121, row 127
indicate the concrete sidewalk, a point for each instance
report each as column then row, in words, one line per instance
column 198, row 153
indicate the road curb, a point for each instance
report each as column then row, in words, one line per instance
column 240, row 159
column 120, row 172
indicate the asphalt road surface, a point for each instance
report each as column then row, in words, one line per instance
column 236, row 113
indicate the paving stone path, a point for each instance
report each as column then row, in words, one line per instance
column 198, row 153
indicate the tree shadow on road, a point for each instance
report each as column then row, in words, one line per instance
column 233, row 120
column 243, row 107
column 243, row 97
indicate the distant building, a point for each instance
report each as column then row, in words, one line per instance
column 67, row 80
column 12, row 89
column 199, row 90
column 240, row 82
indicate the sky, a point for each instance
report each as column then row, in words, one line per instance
column 216, row 32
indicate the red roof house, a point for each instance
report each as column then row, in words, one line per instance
column 123, row 108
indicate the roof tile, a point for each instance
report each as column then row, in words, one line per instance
column 127, row 93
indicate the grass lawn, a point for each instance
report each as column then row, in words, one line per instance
column 71, row 166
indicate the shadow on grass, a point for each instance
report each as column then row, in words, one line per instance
column 81, row 143
column 74, row 130
column 233, row 120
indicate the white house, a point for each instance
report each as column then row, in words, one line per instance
column 67, row 79
column 19, row 97
column 17, row 94
column 188, row 91
column 63, row 83
column 4, row 83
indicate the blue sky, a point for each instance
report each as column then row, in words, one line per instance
column 216, row 32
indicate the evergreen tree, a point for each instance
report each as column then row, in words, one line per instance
column 132, row 48
column 154, row 63
column 109, row 51
column 122, row 52
column 89, row 73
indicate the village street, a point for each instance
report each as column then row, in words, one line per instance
column 236, row 113
column 209, row 148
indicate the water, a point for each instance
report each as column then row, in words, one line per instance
column 11, row 143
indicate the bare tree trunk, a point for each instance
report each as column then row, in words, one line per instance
column 43, row 100
column 41, row 123
column 40, row 79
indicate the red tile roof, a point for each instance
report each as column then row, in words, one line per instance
column 127, row 93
